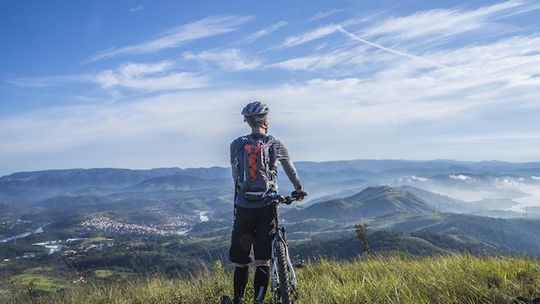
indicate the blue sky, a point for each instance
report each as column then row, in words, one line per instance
column 143, row 84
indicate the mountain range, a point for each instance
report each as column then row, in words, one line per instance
column 449, row 199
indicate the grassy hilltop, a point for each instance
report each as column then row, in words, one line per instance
column 443, row 279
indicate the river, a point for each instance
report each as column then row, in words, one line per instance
column 22, row 235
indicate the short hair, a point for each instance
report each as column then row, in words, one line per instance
column 256, row 121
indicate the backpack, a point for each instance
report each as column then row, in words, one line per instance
column 257, row 167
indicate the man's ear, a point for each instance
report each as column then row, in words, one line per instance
column 265, row 123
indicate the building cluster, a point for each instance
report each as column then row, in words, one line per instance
column 83, row 249
column 108, row 225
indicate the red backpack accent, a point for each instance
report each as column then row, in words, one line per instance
column 253, row 150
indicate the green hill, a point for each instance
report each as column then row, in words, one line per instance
column 370, row 202
column 448, row 279
column 508, row 235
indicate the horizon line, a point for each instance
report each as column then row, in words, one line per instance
column 296, row 162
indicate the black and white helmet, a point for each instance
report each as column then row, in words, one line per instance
column 255, row 111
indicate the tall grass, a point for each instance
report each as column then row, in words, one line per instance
column 456, row 279
column 449, row 279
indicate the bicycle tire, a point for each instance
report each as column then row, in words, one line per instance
column 285, row 287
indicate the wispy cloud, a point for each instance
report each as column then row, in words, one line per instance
column 444, row 23
column 316, row 62
column 124, row 130
column 177, row 36
column 162, row 75
column 386, row 107
column 396, row 34
column 315, row 34
column 321, row 15
column 149, row 77
column 136, row 8
column 263, row 32
column 401, row 105
column 390, row 50
column 349, row 56
column 228, row 59
column 319, row 32
column 397, row 99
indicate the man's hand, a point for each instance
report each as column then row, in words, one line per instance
column 299, row 194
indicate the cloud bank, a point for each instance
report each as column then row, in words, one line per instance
column 436, row 83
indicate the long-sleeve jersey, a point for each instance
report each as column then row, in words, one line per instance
column 281, row 154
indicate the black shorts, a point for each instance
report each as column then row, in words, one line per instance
column 252, row 226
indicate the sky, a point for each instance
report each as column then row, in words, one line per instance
column 146, row 84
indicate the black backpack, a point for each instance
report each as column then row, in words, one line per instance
column 257, row 167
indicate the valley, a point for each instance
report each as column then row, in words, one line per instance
column 102, row 225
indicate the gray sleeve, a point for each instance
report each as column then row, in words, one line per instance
column 234, row 164
column 287, row 164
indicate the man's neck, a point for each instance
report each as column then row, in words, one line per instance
column 258, row 130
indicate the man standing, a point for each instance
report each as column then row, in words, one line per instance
column 254, row 160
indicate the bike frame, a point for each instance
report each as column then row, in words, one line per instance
column 280, row 235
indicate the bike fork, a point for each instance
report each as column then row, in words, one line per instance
column 291, row 269
column 274, row 268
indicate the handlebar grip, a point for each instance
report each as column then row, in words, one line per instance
column 299, row 195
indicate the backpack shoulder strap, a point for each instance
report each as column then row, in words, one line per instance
column 270, row 143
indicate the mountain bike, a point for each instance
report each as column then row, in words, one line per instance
column 283, row 277
column 284, row 283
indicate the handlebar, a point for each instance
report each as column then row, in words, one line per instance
column 277, row 199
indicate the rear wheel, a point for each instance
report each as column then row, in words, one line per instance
column 284, row 283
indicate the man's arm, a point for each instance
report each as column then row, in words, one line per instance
column 234, row 160
column 288, row 166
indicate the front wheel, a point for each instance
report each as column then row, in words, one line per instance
column 285, row 289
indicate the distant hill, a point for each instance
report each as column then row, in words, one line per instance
column 11, row 208
column 180, row 182
column 369, row 203
column 108, row 177
column 508, row 235
column 68, row 202
column 440, row 202
column 414, row 243
column 34, row 186
column 78, row 178
column 321, row 179
column 403, row 166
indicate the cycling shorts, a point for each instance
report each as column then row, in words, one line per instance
column 252, row 227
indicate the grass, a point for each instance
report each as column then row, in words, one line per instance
column 103, row 273
column 38, row 283
column 448, row 279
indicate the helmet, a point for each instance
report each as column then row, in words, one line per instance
column 255, row 111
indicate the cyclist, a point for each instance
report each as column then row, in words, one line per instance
column 254, row 162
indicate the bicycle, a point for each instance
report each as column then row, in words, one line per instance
column 284, row 283
column 283, row 277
